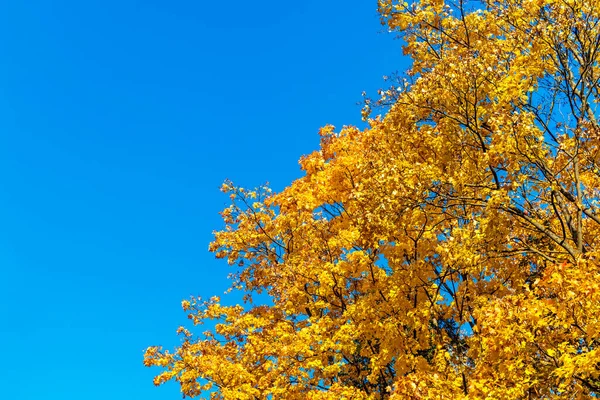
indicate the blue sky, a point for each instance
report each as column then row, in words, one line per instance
column 119, row 120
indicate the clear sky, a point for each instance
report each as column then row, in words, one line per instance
column 119, row 120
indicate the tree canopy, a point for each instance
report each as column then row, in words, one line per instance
column 447, row 251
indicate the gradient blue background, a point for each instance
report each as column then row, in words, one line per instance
column 119, row 120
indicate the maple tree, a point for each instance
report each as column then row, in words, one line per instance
column 447, row 251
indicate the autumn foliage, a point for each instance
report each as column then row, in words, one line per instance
column 449, row 250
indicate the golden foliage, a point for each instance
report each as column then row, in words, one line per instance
column 449, row 250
